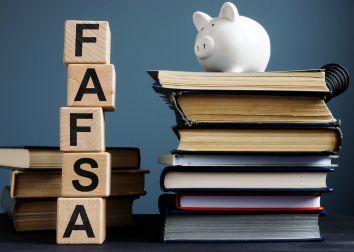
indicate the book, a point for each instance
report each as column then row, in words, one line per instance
column 253, row 155
column 265, row 97
column 47, row 184
column 196, row 107
column 179, row 158
column 223, row 226
column 304, row 81
column 260, row 139
column 41, row 157
column 40, row 214
column 244, row 179
column 249, row 202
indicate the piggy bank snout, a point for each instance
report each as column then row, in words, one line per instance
column 204, row 47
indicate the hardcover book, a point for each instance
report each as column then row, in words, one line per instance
column 260, row 97
column 224, row 226
column 329, row 81
column 44, row 157
column 199, row 107
column 180, row 158
column 294, row 81
column 259, row 139
column 249, row 202
column 40, row 214
column 244, row 179
column 47, row 184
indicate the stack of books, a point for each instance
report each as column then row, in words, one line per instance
column 253, row 155
column 31, row 199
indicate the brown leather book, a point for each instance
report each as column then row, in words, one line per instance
column 40, row 214
column 47, row 184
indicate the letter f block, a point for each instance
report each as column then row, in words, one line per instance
column 87, row 42
column 82, row 130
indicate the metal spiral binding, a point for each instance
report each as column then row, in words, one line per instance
column 337, row 79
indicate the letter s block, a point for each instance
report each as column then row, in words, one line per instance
column 81, row 220
column 82, row 130
column 87, row 42
column 91, row 85
column 86, row 174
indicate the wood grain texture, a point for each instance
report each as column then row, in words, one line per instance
column 94, row 231
column 90, row 120
column 75, row 180
column 104, row 84
column 97, row 51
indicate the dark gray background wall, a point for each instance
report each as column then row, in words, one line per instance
column 158, row 35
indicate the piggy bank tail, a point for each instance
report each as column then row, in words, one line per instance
column 337, row 79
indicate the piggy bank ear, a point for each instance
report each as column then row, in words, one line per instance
column 200, row 19
column 229, row 11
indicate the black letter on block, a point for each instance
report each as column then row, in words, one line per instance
column 97, row 89
column 86, row 225
column 86, row 174
column 74, row 129
column 80, row 39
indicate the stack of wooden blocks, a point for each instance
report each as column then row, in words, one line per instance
column 86, row 167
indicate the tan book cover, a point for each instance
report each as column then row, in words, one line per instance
column 44, row 157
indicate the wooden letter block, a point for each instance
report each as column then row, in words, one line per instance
column 81, row 220
column 91, row 85
column 86, row 174
column 87, row 42
column 82, row 130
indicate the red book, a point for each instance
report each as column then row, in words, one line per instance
column 249, row 202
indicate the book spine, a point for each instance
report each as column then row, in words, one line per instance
column 162, row 180
column 13, row 183
column 339, row 141
column 7, row 202
column 180, row 116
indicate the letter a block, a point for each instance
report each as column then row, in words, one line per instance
column 87, row 42
column 91, row 85
column 86, row 174
column 82, row 130
column 81, row 220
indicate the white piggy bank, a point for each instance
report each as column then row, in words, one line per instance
column 230, row 42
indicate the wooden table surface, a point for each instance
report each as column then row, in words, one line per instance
column 338, row 231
